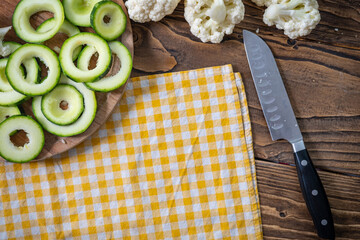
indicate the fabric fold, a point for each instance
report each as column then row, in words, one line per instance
column 175, row 160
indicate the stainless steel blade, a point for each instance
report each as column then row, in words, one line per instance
column 271, row 91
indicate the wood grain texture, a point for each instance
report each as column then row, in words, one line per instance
column 283, row 209
column 106, row 101
column 151, row 56
column 321, row 73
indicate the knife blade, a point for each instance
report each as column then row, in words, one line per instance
column 282, row 124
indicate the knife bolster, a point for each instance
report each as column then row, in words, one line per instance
column 298, row 145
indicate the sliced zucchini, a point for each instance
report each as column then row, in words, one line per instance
column 78, row 11
column 85, row 75
column 84, row 121
column 8, row 96
column 4, row 83
column 6, row 112
column 16, row 78
column 116, row 24
column 32, row 75
column 30, row 150
column 107, row 84
column 11, row 98
column 30, row 65
column 63, row 105
column 26, row 8
column 67, row 28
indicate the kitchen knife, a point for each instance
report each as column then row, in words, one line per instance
column 282, row 124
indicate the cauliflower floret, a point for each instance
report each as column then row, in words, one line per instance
column 4, row 50
column 210, row 20
column 296, row 17
column 266, row 3
column 150, row 10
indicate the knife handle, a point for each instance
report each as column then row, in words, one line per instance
column 314, row 195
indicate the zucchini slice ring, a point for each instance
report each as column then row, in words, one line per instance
column 11, row 98
column 30, row 150
column 85, row 75
column 31, row 65
column 26, row 8
column 66, row 28
column 117, row 20
column 4, row 83
column 32, row 69
column 8, row 96
column 63, row 105
column 84, row 121
column 16, row 78
column 107, row 84
column 6, row 112
column 78, row 11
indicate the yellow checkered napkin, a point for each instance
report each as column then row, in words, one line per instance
column 174, row 161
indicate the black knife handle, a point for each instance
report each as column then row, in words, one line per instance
column 314, row 195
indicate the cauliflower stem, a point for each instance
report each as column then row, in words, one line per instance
column 296, row 17
column 292, row 9
column 217, row 11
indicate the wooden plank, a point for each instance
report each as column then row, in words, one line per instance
column 339, row 25
column 283, row 210
column 322, row 82
column 321, row 73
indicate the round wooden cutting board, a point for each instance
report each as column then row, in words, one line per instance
column 106, row 101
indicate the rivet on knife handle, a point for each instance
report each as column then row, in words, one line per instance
column 282, row 124
column 314, row 195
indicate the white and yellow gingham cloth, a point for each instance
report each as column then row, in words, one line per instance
column 174, row 161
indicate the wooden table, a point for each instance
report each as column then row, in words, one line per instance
column 322, row 76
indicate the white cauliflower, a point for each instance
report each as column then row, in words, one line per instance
column 150, row 10
column 210, row 20
column 296, row 17
column 266, row 3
